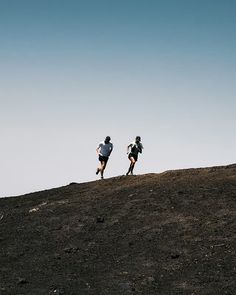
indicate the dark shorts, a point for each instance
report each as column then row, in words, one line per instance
column 103, row 159
column 133, row 156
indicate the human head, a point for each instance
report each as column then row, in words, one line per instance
column 138, row 139
column 107, row 139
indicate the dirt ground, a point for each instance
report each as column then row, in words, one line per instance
column 168, row 233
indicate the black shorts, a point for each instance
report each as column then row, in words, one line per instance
column 103, row 159
column 133, row 156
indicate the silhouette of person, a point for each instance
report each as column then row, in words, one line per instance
column 104, row 150
column 135, row 147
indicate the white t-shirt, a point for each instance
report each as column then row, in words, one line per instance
column 105, row 149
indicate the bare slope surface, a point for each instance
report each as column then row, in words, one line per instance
column 169, row 233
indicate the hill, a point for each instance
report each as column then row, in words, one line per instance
column 168, row 233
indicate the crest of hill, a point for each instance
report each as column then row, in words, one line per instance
column 120, row 182
column 167, row 233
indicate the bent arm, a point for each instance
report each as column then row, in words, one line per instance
column 140, row 147
column 98, row 148
column 111, row 149
column 128, row 147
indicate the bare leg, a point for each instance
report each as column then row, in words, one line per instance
column 103, row 166
column 131, row 167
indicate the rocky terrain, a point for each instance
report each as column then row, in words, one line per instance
column 168, row 233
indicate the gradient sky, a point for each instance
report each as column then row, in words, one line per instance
column 74, row 71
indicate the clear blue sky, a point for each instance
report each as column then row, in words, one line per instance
column 75, row 71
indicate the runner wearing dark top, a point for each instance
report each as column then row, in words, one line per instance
column 135, row 147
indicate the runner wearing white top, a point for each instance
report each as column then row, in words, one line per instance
column 104, row 150
column 136, row 148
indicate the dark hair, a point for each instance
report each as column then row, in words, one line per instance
column 107, row 139
column 138, row 138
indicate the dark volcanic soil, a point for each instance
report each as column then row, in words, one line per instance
column 169, row 233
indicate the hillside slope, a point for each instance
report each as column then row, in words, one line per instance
column 168, row 233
